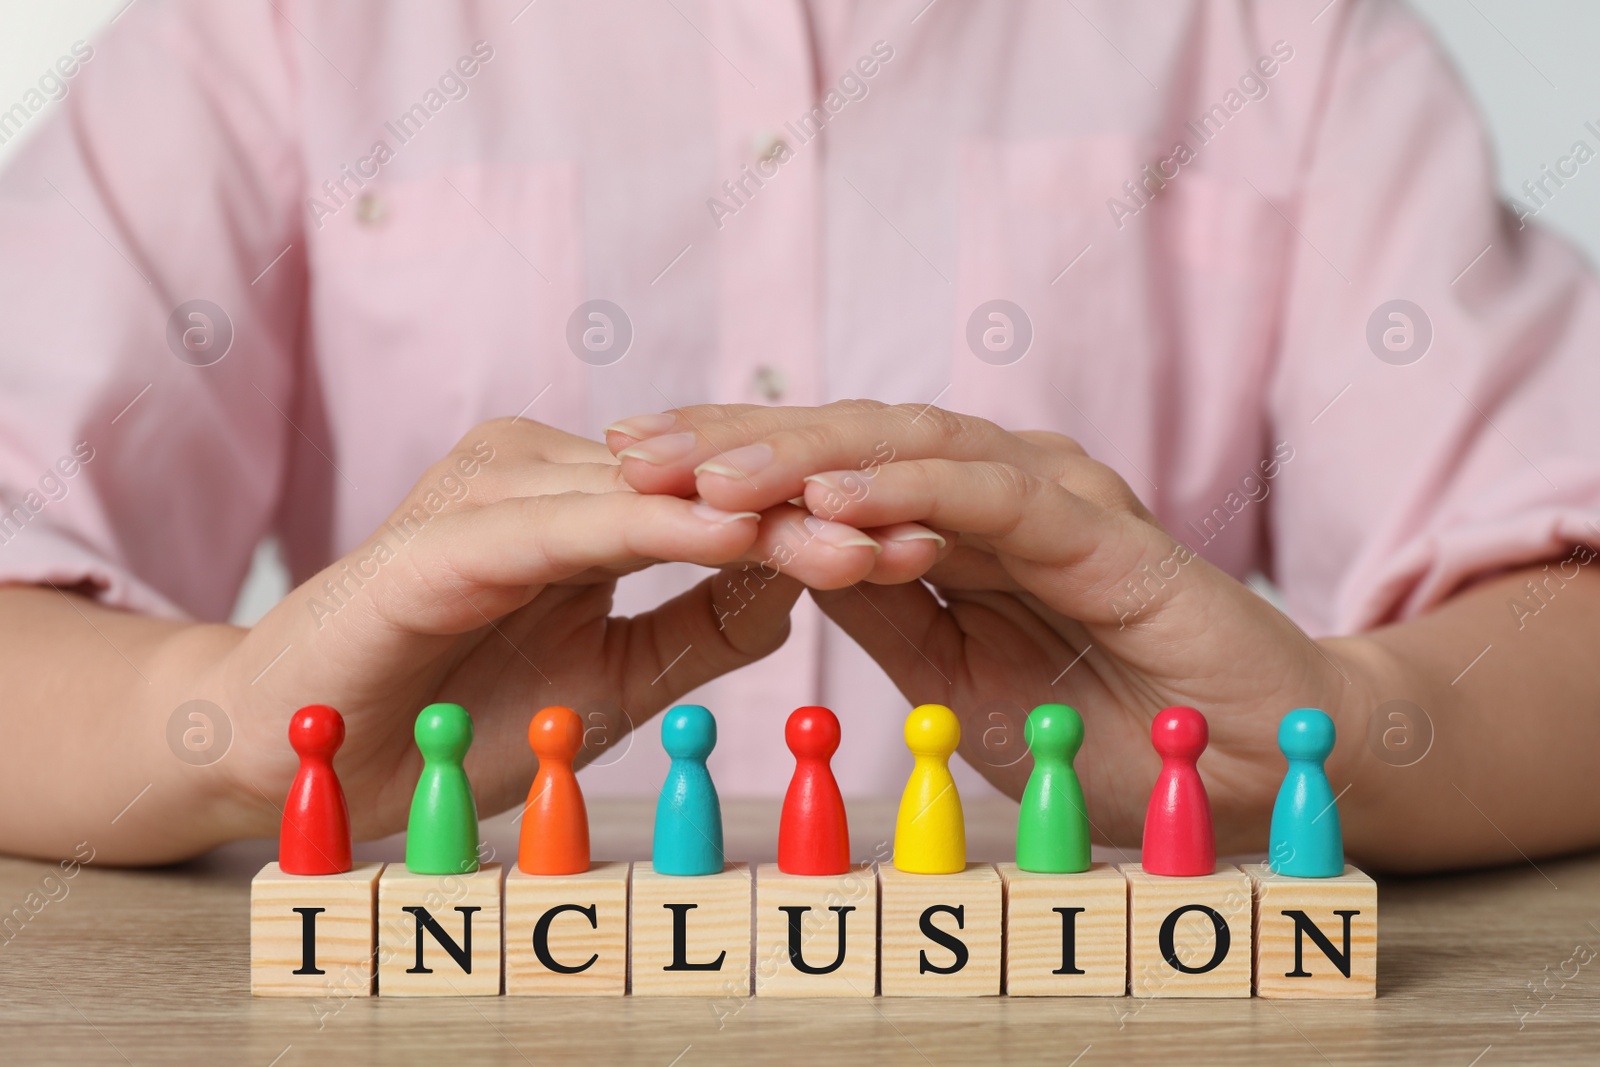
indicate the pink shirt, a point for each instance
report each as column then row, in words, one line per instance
column 1201, row 210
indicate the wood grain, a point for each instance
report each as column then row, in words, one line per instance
column 1154, row 898
column 601, row 949
column 857, row 974
column 153, row 967
column 717, row 926
column 1035, row 932
column 442, row 895
column 1276, row 975
column 903, row 946
column 345, row 935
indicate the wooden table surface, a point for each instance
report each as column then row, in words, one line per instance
column 152, row 967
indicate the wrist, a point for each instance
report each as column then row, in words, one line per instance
column 1382, row 730
column 1365, row 672
column 201, row 717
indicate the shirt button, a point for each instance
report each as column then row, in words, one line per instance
column 767, row 145
column 771, row 383
column 370, row 210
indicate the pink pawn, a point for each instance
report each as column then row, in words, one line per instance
column 813, row 832
column 315, row 837
column 1178, row 839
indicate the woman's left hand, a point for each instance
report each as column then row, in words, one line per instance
column 1057, row 585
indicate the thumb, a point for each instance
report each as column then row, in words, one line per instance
column 903, row 628
column 731, row 619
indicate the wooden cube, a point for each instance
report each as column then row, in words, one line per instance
column 313, row 935
column 439, row 934
column 816, row 935
column 941, row 933
column 567, row 935
column 689, row 936
column 1189, row 937
column 1315, row 937
column 1066, row 934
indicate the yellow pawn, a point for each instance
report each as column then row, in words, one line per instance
column 930, row 835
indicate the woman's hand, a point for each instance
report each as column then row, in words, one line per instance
column 1058, row 585
column 491, row 586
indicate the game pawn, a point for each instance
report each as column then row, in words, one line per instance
column 690, row 908
column 566, row 919
column 1052, row 819
column 1189, row 923
column 439, row 915
column 816, row 917
column 1306, row 840
column 312, row 912
column 941, row 925
column 930, row 833
column 813, row 832
column 1178, row 838
column 555, row 824
column 1316, row 932
column 1066, row 918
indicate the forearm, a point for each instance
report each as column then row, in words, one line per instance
column 89, row 695
column 1513, row 708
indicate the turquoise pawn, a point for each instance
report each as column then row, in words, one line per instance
column 688, row 837
column 1306, row 840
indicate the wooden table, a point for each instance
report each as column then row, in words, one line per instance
column 152, row 967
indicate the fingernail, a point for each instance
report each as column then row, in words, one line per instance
column 660, row 450
column 717, row 515
column 838, row 535
column 903, row 536
column 642, row 426
column 822, row 480
column 739, row 463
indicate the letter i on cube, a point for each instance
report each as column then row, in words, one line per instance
column 1066, row 934
column 312, row 913
column 311, row 935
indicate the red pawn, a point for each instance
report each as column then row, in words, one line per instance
column 813, row 832
column 315, row 838
column 1178, row 839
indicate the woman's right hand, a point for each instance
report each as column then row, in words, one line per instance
column 491, row 586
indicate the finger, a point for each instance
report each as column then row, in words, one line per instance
column 667, row 434
column 778, row 463
column 821, row 554
column 1081, row 553
column 701, row 634
column 543, row 478
column 910, row 550
column 490, row 484
column 512, row 457
column 965, row 566
column 666, row 463
column 525, row 439
column 466, row 565
column 635, row 428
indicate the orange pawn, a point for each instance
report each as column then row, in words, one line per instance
column 555, row 824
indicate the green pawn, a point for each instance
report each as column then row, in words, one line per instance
column 442, row 836
column 1053, row 824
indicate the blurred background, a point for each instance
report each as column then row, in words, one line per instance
column 1529, row 63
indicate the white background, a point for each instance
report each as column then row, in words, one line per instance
column 1531, row 64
